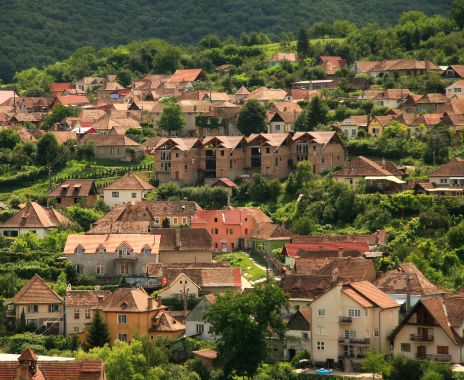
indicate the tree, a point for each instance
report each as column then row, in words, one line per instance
column 59, row 113
column 395, row 128
column 245, row 321
column 252, row 118
column 166, row 223
column 300, row 124
column 135, row 134
column 47, row 149
column 22, row 323
column 97, row 333
column 457, row 12
column 318, row 113
column 87, row 151
column 9, row 138
column 343, row 28
column 211, row 41
column 304, row 226
column 302, row 46
column 33, row 82
column 374, row 362
column 14, row 202
column 172, row 119
column 456, row 236
column 304, row 173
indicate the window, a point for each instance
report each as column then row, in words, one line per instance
column 31, row 322
column 216, row 231
column 246, row 219
column 122, row 319
column 145, row 269
column 321, row 312
column 246, row 231
column 220, row 111
column 77, row 314
column 321, row 330
column 356, row 313
column 115, row 194
column 175, row 221
column 231, row 231
column 32, row 308
column 101, row 251
column 443, row 180
column 232, row 245
column 124, row 269
column 222, row 153
column 134, row 195
column 368, row 333
column 157, row 221
column 58, row 200
column 349, row 181
column 408, row 72
column 230, row 164
column 119, row 150
column 320, row 346
column 442, row 350
column 277, row 128
column 215, row 245
column 408, row 110
column 76, row 329
column 303, row 149
column 457, row 89
column 80, row 251
column 87, row 314
column 367, row 312
column 322, row 159
column 304, row 335
column 220, row 130
column 353, row 132
column 184, row 220
column 405, row 347
column 79, row 269
column 346, row 131
column 146, row 251
column 376, row 333
column 53, row 308
column 296, row 307
column 177, row 155
column 375, row 130
column 100, row 269
column 165, row 156
column 350, row 334
column 122, row 337
column 112, row 150
column 380, row 102
column 200, row 328
column 215, row 220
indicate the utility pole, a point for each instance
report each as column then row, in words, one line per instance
column 185, row 290
column 433, row 137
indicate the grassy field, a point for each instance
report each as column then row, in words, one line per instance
column 271, row 49
column 258, row 259
column 237, row 259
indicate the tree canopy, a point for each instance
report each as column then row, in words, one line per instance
column 172, row 119
column 252, row 118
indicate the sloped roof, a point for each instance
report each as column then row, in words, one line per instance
column 191, row 239
column 28, row 355
column 366, row 66
column 166, row 323
column 242, row 91
column 170, row 207
column 162, row 269
column 455, row 167
column 271, row 231
column 432, row 99
column 129, row 300
column 188, row 75
column 7, row 94
column 368, row 295
column 128, row 212
column 224, row 182
column 258, row 215
column 228, row 216
column 26, row 135
column 111, row 242
column 309, row 286
column 71, row 99
column 36, row 291
column 110, row 140
column 277, row 57
column 354, row 268
column 266, row 94
column 36, row 216
column 451, row 107
column 427, row 119
column 129, row 181
column 396, row 281
column 86, row 297
column 210, row 354
column 393, row 93
column 139, row 227
column 74, row 188
column 292, row 248
column 362, row 166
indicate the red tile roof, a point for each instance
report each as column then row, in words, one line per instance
column 368, row 295
column 37, row 291
column 210, row 354
column 129, row 181
column 130, row 300
column 277, row 57
column 86, row 297
column 290, row 249
column 74, row 188
column 188, row 75
column 357, row 269
column 163, row 322
column 362, row 166
column 228, row 216
column 28, row 355
column 223, row 182
column 36, row 216
column 455, row 167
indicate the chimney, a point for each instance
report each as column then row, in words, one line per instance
column 97, row 287
column 159, row 301
column 150, row 303
column 285, row 109
column 100, row 298
column 377, row 236
column 321, row 248
column 340, row 251
column 177, row 238
column 383, row 162
column 194, row 108
column 335, row 275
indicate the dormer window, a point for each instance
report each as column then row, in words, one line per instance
column 146, row 251
column 80, row 250
column 101, row 251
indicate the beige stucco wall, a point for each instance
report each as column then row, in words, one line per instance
column 72, row 322
column 185, row 256
column 43, row 315
column 174, row 290
column 40, row 232
column 125, row 196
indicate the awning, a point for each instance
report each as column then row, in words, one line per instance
column 385, row 177
column 376, row 177
column 446, row 189
column 394, row 179
column 456, row 177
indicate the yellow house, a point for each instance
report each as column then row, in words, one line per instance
column 378, row 124
column 128, row 310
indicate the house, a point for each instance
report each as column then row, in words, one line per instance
column 241, row 94
column 34, row 218
column 28, row 105
column 297, row 337
column 430, row 102
column 89, row 83
column 392, row 97
column 108, row 88
column 429, row 120
column 164, row 326
column 432, row 330
column 455, row 88
column 18, row 119
column 373, row 241
column 373, row 174
column 310, row 262
column 454, row 106
column 41, row 305
column 265, row 95
column 410, row 104
column 195, row 325
column 6, row 95
column 71, row 100
column 208, row 358
column 269, row 236
column 112, row 255
column 280, row 121
column 189, row 75
column 368, row 94
column 348, row 319
column 128, row 310
column 356, row 83
column 362, row 67
column 351, row 125
column 311, row 85
column 71, row 191
column 295, row 95
column 349, row 267
column 78, row 307
column 454, row 121
column 453, row 72
column 378, row 124
column 30, row 366
column 129, row 187
column 179, row 288
column 207, row 277
column 407, row 285
column 219, row 121
column 402, row 67
column 331, row 65
column 278, row 57
column 57, row 89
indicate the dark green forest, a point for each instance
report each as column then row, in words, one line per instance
column 37, row 34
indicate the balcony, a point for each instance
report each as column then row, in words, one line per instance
column 354, row 341
column 420, row 338
column 344, row 320
column 423, row 321
column 436, row 357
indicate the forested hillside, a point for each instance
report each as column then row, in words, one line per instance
column 42, row 33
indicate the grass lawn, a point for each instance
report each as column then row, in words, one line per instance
column 238, row 259
column 271, row 49
column 256, row 257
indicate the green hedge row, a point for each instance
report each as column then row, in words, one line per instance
column 27, row 273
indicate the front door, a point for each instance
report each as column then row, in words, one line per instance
column 425, row 334
column 53, row 328
column 421, row 352
column 224, row 247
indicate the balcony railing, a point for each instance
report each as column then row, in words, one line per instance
column 351, row 341
column 436, row 357
column 423, row 321
column 420, row 338
column 344, row 319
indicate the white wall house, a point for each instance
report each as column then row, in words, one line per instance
column 127, row 188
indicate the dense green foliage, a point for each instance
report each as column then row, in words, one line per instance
column 97, row 332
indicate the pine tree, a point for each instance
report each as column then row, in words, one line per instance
column 302, row 46
column 318, row 113
column 97, row 335
column 22, row 325
column 166, row 223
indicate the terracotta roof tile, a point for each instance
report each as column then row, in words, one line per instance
column 362, row 166
column 129, row 212
column 191, row 239
column 86, row 297
column 189, row 75
column 164, row 322
column 129, row 181
column 74, row 188
column 110, row 140
column 455, row 167
column 370, row 294
column 210, row 354
column 188, row 208
column 129, row 300
column 291, row 249
column 265, row 94
column 224, row 182
column 162, row 269
column 140, row 227
column 277, row 57
column 242, row 91
column 366, row 66
column 37, row 291
column 36, row 216
column 451, row 107
column 308, row 286
column 355, row 268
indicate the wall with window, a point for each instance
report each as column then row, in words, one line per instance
column 40, row 314
column 14, row 232
column 77, row 317
column 121, row 197
column 174, row 290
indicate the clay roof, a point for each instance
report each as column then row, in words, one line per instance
column 393, row 93
column 451, row 107
column 193, row 95
column 61, row 86
column 404, row 64
column 179, row 143
column 6, row 95
column 304, row 254
column 74, row 188
column 162, row 269
column 368, row 295
column 391, row 167
column 71, row 99
column 90, row 243
column 128, row 212
column 110, row 86
column 266, row 94
column 129, row 300
column 210, row 354
column 362, row 166
column 455, row 167
column 129, row 181
column 432, row 99
column 91, row 80
column 228, row 216
column 356, row 269
column 188, row 106
column 395, row 281
column 242, row 91
column 258, row 215
column 224, row 182
column 31, row 116
column 277, row 57
column 271, row 231
column 211, row 298
column 139, row 227
column 227, row 142
column 191, row 239
column 427, row 119
column 360, row 120
column 86, row 297
column 36, row 216
column 164, row 322
column 26, row 135
column 189, row 75
column 407, row 118
column 28, row 355
column 110, row 140
column 170, row 207
column 453, row 120
column 292, row 248
column 36, row 291
column 459, row 69
column 366, row 66
column 308, row 286
column 152, row 142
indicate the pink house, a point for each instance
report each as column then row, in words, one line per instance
column 229, row 228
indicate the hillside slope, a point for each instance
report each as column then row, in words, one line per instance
column 42, row 33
